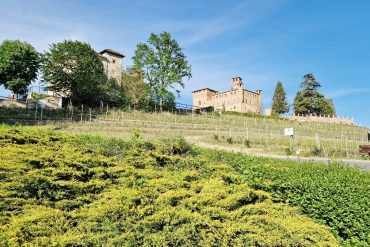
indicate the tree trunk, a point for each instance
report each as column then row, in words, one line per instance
column 161, row 104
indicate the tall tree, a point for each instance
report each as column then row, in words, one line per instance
column 19, row 64
column 163, row 63
column 309, row 100
column 74, row 69
column 279, row 100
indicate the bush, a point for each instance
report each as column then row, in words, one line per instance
column 289, row 151
column 71, row 192
column 230, row 140
column 247, row 143
column 335, row 195
column 316, row 151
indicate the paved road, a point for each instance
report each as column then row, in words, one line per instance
column 365, row 164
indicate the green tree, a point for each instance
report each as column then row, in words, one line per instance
column 310, row 83
column 136, row 90
column 279, row 100
column 74, row 69
column 113, row 93
column 328, row 107
column 310, row 101
column 168, row 101
column 163, row 63
column 19, row 64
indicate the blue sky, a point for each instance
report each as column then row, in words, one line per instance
column 262, row 41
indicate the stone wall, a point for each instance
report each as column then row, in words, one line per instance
column 112, row 65
column 322, row 119
column 203, row 98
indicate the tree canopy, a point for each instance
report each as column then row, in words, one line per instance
column 309, row 82
column 74, row 69
column 136, row 90
column 310, row 101
column 19, row 64
column 163, row 64
column 279, row 100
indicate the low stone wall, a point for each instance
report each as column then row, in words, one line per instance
column 12, row 103
column 322, row 119
column 50, row 102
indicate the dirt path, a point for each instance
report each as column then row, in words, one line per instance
column 365, row 164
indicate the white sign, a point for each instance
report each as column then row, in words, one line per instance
column 288, row 131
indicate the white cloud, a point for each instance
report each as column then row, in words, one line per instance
column 346, row 91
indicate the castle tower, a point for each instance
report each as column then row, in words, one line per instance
column 237, row 83
column 112, row 62
column 259, row 92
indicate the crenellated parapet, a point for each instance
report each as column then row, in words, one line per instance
column 322, row 119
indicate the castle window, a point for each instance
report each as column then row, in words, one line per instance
column 114, row 60
column 200, row 102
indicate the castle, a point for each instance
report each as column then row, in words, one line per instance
column 236, row 99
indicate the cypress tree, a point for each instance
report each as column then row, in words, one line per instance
column 279, row 100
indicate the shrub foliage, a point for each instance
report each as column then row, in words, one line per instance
column 62, row 190
column 335, row 195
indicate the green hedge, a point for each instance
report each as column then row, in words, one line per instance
column 335, row 195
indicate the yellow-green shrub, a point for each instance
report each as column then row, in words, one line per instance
column 74, row 192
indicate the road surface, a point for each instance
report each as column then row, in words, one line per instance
column 365, row 164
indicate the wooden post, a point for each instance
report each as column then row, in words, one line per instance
column 90, row 114
column 82, row 110
column 36, row 111
column 106, row 113
column 42, row 108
